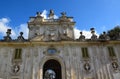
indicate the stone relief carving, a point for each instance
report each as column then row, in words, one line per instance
column 38, row 37
column 64, row 37
column 64, row 34
column 15, row 68
column 52, row 33
column 115, row 66
column 87, row 67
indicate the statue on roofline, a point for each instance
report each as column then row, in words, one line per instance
column 82, row 37
column 94, row 36
column 63, row 13
column 104, row 36
column 8, row 38
column 20, row 38
column 39, row 13
column 51, row 14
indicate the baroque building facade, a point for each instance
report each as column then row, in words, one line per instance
column 52, row 52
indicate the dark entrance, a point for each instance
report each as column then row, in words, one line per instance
column 52, row 68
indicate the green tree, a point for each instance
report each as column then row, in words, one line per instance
column 114, row 33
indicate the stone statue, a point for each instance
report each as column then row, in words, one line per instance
column 64, row 17
column 104, row 36
column 39, row 13
column 8, row 38
column 93, row 37
column 63, row 13
column 51, row 14
column 20, row 38
column 82, row 37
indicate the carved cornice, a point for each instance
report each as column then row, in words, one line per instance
column 61, row 43
column 50, row 23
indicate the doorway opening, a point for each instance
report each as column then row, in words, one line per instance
column 52, row 70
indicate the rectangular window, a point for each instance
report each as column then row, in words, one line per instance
column 85, row 52
column 18, row 54
column 111, row 52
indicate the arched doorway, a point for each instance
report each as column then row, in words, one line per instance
column 52, row 68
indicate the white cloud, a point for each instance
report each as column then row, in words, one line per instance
column 76, row 33
column 55, row 17
column 44, row 14
column 4, row 20
column 85, row 32
column 4, row 26
column 22, row 28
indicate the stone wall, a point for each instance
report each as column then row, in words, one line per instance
column 68, row 54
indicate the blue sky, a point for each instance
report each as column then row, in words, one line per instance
column 100, row 14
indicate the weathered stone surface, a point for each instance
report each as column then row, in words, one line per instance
column 52, row 39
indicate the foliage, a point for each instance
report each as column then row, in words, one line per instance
column 114, row 33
